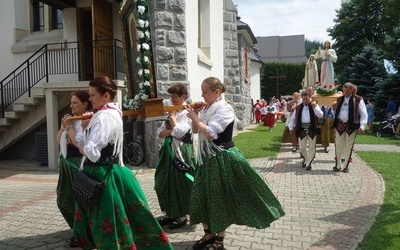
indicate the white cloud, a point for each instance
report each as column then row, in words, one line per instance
column 289, row 17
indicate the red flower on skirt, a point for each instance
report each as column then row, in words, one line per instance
column 133, row 247
column 78, row 214
column 163, row 237
column 141, row 228
column 106, row 226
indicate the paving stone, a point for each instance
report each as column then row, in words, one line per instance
column 325, row 209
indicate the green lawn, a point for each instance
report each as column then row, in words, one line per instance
column 385, row 233
column 260, row 142
column 373, row 139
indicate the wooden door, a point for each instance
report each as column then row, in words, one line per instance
column 103, row 51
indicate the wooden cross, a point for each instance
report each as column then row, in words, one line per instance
column 277, row 77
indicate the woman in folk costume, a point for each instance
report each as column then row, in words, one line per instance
column 227, row 190
column 328, row 56
column 290, row 107
column 270, row 118
column 69, row 152
column 311, row 72
column 173, row 187
column 122, row 219
column 257, row 111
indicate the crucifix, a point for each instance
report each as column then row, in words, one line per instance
column 277, row 77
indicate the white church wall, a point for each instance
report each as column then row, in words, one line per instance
column 255, row 91
column 198, row 71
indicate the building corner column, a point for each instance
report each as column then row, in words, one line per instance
column 52, row 125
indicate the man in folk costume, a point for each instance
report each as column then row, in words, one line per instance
column 350, row 115
column 304, row 118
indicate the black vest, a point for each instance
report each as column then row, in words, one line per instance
column 299, row 111
column 353, row 121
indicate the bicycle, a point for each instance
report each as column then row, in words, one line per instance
column 133, row 153
column 132, row 150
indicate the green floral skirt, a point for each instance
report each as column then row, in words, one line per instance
column 173, row 188
column 122, row 219
column 227, row 190
column 65, row 200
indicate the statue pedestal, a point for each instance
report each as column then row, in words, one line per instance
column 325, row 100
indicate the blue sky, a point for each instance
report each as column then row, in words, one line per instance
column 289, row 17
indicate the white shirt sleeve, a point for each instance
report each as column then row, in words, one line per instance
column 318, row 111
column 161, row 128
column 221, row 119
column 362, row 110
column 184, row 125
column 97, row 138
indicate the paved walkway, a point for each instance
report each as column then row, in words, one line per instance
column 325, row 209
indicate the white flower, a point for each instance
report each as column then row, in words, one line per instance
column 141, row 85
column 146, row 59
column 138, row 59
column 146, row 71
column 146, row 24
column 147, row 34
column 146, row 83
column 140, row 72
column 145, row 46
column 138, row 47
column 137, row 97
column 141, row 23
column 144, row 97
column 141, row 9
column 141, row 34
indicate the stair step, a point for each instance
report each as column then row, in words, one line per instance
column 4, row 122
column 30, row 100
column 37, row 92
column 13, row 115
column 22, row 107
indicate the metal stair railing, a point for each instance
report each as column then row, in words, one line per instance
column 58, row 59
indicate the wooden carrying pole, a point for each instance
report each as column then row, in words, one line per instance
column 150, row 108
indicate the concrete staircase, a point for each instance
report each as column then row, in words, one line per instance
column 27, row 113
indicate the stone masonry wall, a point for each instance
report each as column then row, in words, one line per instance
column 238, row 92
column 169, row 53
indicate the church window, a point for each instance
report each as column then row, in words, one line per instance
column 204, row 32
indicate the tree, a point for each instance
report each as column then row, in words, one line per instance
column 312, row 47
column 389, row 84
column 358, row 23
column 294, row 75
column 366, row 70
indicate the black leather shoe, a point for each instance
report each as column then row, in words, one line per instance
column 73, row 243
column 165, row 221
column 346, row 170
column 177, row 223
column 294, row 149
column 336, row 169
column 200, row 244
column 303, row 165
column 308, row 168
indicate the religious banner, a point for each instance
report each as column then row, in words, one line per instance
column 136, row 40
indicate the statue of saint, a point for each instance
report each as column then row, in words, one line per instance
column 328, row 56
column 311, row 73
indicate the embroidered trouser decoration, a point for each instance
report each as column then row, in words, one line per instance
column 344, row 143
column 309, row 154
